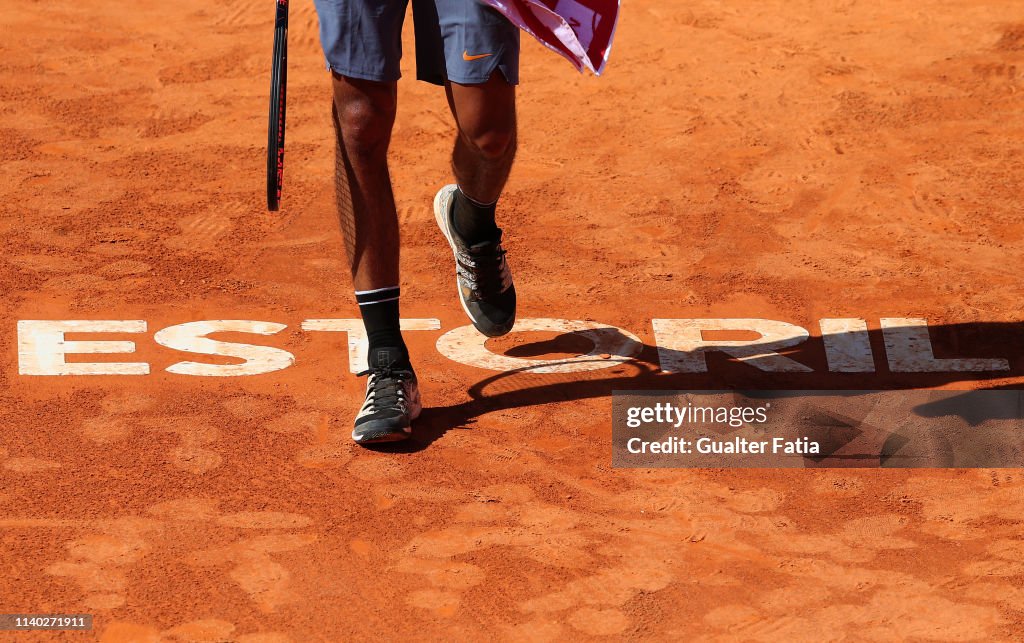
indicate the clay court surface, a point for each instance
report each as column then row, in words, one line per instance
column 783, row 160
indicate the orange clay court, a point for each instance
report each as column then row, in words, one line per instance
column 789, row 161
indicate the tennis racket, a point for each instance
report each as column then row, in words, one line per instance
column 275, row 129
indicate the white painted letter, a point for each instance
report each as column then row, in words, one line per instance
column 357, row 343
column 191, row 338
column 467, row 346
column 42, row 347
column 909, row 350
column 847, row 347
column 681, row 346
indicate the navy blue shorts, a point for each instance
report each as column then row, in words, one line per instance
column 463, row 41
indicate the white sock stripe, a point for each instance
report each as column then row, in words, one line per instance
column 379, row 301
column 370, row 292
column 377, row 295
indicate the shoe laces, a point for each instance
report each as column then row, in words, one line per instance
column 483, row 268
column 386, row 385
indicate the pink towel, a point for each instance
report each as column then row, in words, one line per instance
column 580, row 30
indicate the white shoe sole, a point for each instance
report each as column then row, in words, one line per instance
column 442, row 204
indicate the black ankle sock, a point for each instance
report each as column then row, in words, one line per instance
column 474, row 222
column 379, row 308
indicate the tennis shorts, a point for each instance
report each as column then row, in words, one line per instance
column 463, row 41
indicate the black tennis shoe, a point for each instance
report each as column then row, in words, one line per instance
column 484, row 280
column 392, row 403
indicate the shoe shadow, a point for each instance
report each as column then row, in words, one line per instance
column 430, row 426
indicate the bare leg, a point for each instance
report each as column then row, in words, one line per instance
column 486, row 143
column 364, row 114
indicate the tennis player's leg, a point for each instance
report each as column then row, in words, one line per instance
column 481, row 54
column 485, row 147
column 362, row 44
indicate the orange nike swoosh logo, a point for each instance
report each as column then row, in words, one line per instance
column 466, row 55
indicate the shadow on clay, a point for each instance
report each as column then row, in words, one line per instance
column 522, row 388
